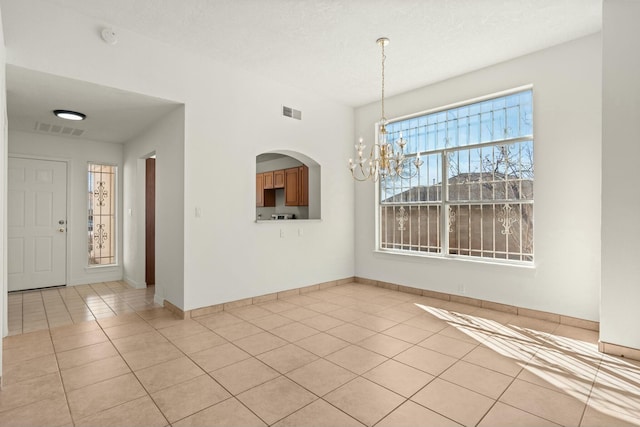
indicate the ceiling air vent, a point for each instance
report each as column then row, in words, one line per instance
column 57, row 129
column 290, row 112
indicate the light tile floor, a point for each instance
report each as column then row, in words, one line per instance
column 351, row 355
column 35, row 310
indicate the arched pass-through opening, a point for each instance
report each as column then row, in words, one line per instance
column 287, row 186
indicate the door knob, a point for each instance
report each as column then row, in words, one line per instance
column 61, row 222
column 61, row 230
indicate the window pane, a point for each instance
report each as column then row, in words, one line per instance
column 491, row 120
column 463, row 131
column 101, row 214
column 424, row 185
column 485, row 199
column 410, row 227
column 499, row 172
column 499, row 125
column 513, row 122
column 499, row 231
column 486, row 127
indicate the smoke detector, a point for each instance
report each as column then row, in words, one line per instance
column 109, row 36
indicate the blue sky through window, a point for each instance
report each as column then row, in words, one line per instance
column 491, row 120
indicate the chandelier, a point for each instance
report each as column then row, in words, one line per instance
column 385, row 159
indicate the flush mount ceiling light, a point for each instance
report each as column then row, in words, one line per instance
column 387, row 157
column 69, row 115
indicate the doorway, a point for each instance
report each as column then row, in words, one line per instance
column 150, row 221
column 37, row 223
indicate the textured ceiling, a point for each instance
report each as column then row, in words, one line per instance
column 324, row 46
column 328, row 46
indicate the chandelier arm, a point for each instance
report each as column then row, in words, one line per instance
column 359, row 179
column 372, row 153
column 365, row 175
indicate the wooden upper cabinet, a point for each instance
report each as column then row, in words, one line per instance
column 291, row 194
column 278, row 179
column 259, row 190
column 303, row 185
column 296, row 186
column 295, row 182
column 264, row 197
column 268, row 180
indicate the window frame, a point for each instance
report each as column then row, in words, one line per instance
column 445, row 203
column 115, row 214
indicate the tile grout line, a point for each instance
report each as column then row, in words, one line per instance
column 22, row 314
column 593, row 384
column 64, row 390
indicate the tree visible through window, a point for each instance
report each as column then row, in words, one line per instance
column 102, row 214
column 473, row 195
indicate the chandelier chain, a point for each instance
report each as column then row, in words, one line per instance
column 384, row 119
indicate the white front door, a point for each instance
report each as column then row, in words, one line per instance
column 37, row 223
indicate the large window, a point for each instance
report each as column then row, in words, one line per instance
column 102, row 214
column 473, row 195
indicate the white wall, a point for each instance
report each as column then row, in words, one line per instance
column 3, row 198
column 165, row 139
column 228, row 255
column 567, row 127
column 77, row 153
column 620, row 152
column 231, row 115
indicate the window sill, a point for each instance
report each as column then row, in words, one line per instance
column 456, row 258
column 280, row 221
column 101, row 267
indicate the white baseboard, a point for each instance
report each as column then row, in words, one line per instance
column 134, row 284
column 158, row 299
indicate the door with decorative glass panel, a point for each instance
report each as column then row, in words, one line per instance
column 37, row 223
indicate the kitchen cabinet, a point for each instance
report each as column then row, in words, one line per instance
column 303, row 185
column 268, row 180
column 259, row 190
column 296, row 186
column 295, row 182
column 278, row 179
column 291, row 187
column 264, row 198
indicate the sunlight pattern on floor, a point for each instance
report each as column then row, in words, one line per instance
column 566, row 364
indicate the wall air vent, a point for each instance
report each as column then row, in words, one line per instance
column 57, row 129
column 290, row 112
